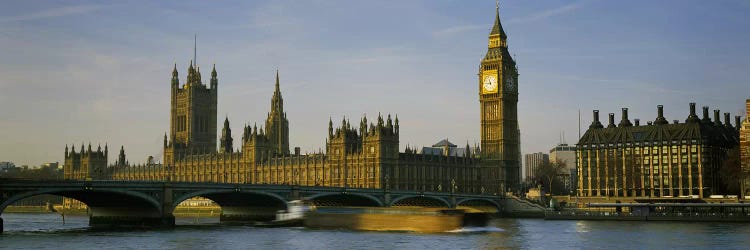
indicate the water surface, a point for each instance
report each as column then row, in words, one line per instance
column 46, row 231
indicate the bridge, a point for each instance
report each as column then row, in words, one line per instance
column 148, row 203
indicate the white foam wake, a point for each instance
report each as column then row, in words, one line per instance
column 477, row 230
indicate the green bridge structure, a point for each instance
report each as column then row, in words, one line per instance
column 151, row 203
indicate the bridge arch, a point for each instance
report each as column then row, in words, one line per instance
column 93, row 198
column 483, row 204
column 216, row 193
column 345, row 199
column 239, row 206
column 420, row 200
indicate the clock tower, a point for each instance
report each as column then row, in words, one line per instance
column 498, row 99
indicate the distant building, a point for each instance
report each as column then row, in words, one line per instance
column 745, row 146
column 656, row 160
column 6, row 166
column 51, row 165
column 566, row 154
column 445, row 148
column 533, row 162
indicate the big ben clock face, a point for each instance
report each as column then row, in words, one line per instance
column 510, row 84
column 489, row 82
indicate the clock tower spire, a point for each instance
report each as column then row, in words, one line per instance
column 498, row 100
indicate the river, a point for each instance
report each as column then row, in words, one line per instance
column 46, row 231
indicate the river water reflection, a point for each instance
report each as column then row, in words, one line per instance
column 46, row 231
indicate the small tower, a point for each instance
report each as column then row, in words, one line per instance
column 121, row 158
column 277, row 126
column 225, row 144
column 192, row 114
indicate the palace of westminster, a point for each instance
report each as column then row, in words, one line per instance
column 363, row 156
column 659, row 159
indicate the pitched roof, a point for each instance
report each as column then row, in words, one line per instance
column 444, row 143
column 497, row 29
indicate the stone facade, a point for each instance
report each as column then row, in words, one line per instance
column 745, row 147
column 498, row 99
column 654, row 160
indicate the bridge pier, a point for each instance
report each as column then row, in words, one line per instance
column 104, row 217
column 129, row 221
column 1, row 225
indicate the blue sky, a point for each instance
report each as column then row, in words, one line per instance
column 98, row 71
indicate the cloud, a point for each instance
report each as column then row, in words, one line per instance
column 450, row 31
column 52, row 13
column 549, row 13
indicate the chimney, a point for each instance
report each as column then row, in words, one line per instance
column 297, row 151
column 705, row 115
column 737, row 122
column 676, row 121
column 596, row 123
column 660, row 120
column 637, row 122
column 727, row 120
column 625, row 122
column 611, row 120
column 692, row 118
column 717, row 117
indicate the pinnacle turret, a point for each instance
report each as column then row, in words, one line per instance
column 226, row 138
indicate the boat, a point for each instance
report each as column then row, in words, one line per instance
column 293, row 216
column 401, row 219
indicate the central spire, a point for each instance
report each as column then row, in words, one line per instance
column 277, row 102
column 497, row 29
column 195, row 49
column 277, row 91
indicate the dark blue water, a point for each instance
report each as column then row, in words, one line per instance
column 46, row 231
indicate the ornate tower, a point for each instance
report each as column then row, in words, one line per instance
column 121, row 157
column 225, row 144
column 193, row 114
column 277, row 126
column 498, row 99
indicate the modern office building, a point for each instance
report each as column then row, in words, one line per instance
column 533, row 161
column 564, row 153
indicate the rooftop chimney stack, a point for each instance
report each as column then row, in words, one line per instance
column 717, row 117
column 637, row 122
column 611, row 120
column 692, row 118
column 625, row 122
column 705, row 115
column 596, row 123
column 660, row 120
column 728, row 120
column 737, row 122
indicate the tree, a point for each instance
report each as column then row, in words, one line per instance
column 731, row 173
column 549, row 171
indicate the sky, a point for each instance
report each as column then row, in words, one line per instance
column 75, row 72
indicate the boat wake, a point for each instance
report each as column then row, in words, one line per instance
column 487, row 229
